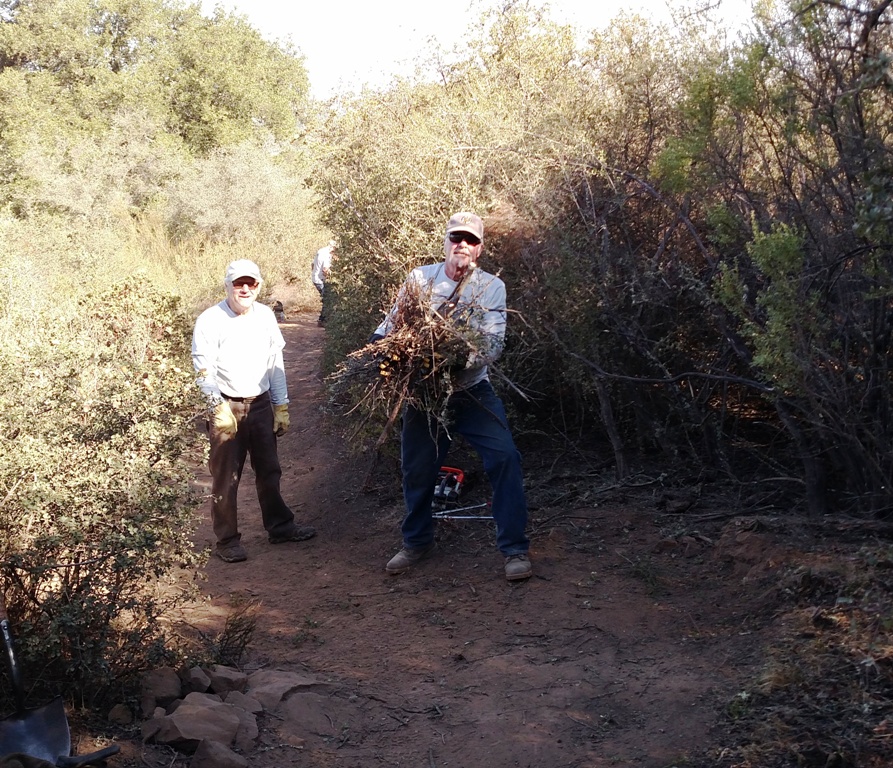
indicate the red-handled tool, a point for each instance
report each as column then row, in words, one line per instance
column 446, row 497
column 449, row 485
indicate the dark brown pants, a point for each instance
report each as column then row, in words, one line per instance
column 255, row 437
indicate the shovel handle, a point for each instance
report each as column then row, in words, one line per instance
column 87, row 760
column 15, row 672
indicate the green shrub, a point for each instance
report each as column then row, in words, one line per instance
column 96, row 416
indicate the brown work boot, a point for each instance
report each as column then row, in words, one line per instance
column 295, row 533
column 518, row 567
column 231, row 553
column 406, row 558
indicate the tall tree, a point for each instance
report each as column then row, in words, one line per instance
column 73, row 70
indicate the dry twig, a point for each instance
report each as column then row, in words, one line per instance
column 413, row 365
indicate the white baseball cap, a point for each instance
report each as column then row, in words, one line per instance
column 242, row 268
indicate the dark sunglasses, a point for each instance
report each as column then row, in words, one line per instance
column 247, row 281
column 458, row 237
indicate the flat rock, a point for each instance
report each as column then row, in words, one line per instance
column 193, row 723
column 247, row 733
column 225, row 679
column 213, row 754
column 160, row 687
column 244, row 701
column 195, row 679
column 270, row 686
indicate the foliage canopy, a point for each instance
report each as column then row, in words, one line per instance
column 695, row 234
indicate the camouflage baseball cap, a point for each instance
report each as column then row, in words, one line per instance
column 466, row 222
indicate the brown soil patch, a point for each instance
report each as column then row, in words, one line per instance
column 637, row 628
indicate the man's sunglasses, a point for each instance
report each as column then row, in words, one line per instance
column 458, row 237
column 246, row 281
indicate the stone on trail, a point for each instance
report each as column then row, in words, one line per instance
column 193, row 723
column 226, row 679
column 244, row 701
column 160, row 687
column 213, row 754
column 195, row 679
column 270, row 686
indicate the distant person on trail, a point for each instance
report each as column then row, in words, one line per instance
column 322, row 265
column 474, row 410
column 237, row 352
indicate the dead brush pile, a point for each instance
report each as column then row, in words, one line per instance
column 413, row 365
column 825, row 697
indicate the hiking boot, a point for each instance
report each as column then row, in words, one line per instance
column 406, row 558
column 295, row 533
column 518, row 567
column 231, row 553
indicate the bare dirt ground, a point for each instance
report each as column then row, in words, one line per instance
column 639, row 625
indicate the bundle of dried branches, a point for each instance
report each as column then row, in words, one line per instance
column 413, row 365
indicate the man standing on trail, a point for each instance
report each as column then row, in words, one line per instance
column 322, row 265
column 474, row 411
column 237, row 352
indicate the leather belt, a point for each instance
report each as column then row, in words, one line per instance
column 247, row 399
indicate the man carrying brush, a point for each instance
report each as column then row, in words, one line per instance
column 465, row 296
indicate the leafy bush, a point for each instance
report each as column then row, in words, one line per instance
column 97, row 418
column 695, row 235
column 142, row 147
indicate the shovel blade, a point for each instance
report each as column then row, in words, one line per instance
column 41, row 732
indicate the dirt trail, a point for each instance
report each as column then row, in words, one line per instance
column 617, row 652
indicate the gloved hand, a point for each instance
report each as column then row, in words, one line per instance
column 281, row 421
column 224, row 420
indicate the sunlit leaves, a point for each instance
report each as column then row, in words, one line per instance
column 98, row 440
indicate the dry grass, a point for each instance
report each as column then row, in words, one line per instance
column 825, row 697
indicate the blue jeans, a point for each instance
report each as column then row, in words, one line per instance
column 478, row 415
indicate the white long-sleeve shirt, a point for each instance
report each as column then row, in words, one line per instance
column 481, row 306
column 322, row 263
column 239, row 355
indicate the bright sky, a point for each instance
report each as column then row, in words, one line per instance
column 349, row 43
